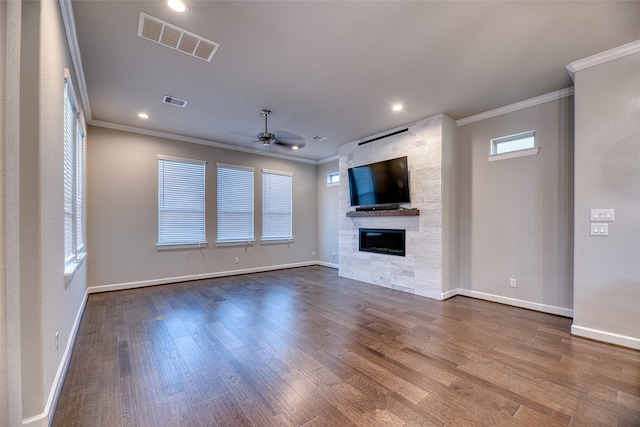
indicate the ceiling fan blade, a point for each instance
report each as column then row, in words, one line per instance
column 289, row 139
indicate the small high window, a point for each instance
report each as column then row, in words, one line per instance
column 508, row 144
column 333, row 178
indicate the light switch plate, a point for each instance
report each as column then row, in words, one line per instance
column 602, row 215
column 599, row 229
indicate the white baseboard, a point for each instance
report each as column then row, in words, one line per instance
column 328, row 264
column 551, row 309
column 167, row 280
column 46, row 418
column 448, row 294
column 604, row 336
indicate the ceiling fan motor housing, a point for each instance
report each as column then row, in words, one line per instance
column 266, row 138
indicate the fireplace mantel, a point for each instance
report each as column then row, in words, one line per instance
column 391, row 212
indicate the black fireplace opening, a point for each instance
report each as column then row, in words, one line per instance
column 382, row 241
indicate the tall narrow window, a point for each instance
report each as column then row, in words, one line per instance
column 235, row 204
column 276, row 205
column 73, row 169
column 181, row 202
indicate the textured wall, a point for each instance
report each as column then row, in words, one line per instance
column 328, row 197
column 123, row 217
column 420, row 271
column 516, row 214
column 607, row 162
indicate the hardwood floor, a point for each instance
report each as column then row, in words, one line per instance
column 303, row 347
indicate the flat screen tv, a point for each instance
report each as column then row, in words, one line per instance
column 381, row 183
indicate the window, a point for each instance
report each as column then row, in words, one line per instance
column 276, row 205
column 181, row 202
column 508, row 144
column 73, row 135
column 235, row 204
column 333, row 178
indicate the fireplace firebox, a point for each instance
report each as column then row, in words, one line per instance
column 382, row 241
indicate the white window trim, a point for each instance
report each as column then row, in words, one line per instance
column 514, row 154
column 329, row 182
column 190, row 245
column 495, row 142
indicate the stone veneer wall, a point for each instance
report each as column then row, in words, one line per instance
column 420, row 272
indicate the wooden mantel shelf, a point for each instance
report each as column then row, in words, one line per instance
column 391, row 212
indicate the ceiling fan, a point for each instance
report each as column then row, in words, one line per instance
column 283, row 138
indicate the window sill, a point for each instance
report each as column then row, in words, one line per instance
column 514, row 154
column 70, row 270
column 333, row 184
column 236, row 243
column 275, row 241
column 174, row 246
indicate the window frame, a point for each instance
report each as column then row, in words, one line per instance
column 248, row 238
column 521, row 152
column 196, row 243
column 74, row 134
column 330, row 179
column 265, row 215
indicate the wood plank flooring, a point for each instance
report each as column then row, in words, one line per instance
column 304, row 347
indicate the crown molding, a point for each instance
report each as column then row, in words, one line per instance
column 159, row 134
column 72, row 40
column 531, row 102
column 601, row 58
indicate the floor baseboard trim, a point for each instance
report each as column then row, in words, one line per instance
column 46, row 418
column 328, row 264
column 213, row 275
column 607, row 337
column 449, row 294
column 551, row 309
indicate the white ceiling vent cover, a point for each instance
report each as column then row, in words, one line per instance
column 172, row 100
column 176, row 38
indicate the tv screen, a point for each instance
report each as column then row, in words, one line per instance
column 380, row 183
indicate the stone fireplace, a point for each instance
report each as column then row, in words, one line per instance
column 428, row 266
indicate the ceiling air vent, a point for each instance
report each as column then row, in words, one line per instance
column 318, row 138
column 176, row 38
column 174, row 101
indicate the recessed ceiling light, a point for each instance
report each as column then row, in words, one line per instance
column 295, row 147
column 179, row 6
column 143, row 115
column 397, row 107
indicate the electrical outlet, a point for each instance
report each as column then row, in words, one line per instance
column 237, row 260
column 513, row 283
column 56, row 341
column 333, row 255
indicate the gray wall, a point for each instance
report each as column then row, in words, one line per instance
column 607, row 159
column 123, row 219
column 47, row 304
column 328, row 197
column 516, row 214
column 10, row 378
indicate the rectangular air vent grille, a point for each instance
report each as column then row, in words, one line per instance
column 176, row 38
column 318, row 138
column 174, row 101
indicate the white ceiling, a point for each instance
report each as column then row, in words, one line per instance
column 334, row 68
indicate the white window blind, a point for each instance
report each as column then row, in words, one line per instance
column 79, row 196
column 181, row 201
column 73, row 176
column 235, row 203
column 276, row 205
column 69, row 163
